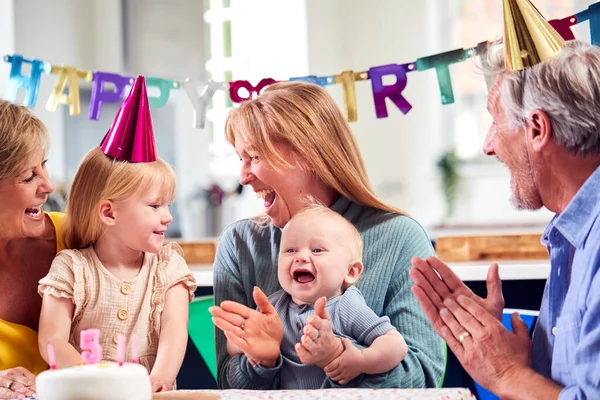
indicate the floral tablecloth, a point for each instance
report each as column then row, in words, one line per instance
column 340, row 394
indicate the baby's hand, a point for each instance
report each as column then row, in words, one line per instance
column 347, row 366
column 160, row 384
column 318, row 345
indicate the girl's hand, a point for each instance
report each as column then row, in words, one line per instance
column 319, row 345
column 257, row 333
column 160, row 384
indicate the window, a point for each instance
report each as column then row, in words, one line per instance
column 470, row 22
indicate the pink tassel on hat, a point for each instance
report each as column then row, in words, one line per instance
column 131, row 136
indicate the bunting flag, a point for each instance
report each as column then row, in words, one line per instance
column 200, row 93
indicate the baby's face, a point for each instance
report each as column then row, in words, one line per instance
column 315, row 256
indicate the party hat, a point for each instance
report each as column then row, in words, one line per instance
column 528, row 37
column 131, row 136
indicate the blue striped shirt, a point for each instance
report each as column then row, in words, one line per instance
column 566, row 341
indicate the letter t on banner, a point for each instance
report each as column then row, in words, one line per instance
column 394, row 92
column 441, row 62
column 347, row 79
column 17, row 80
column 593, row 15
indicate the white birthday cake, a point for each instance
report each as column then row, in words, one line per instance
column 102, row 381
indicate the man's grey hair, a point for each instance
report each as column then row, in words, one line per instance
column 566, row 87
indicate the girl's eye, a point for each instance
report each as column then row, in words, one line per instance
column 155, row 205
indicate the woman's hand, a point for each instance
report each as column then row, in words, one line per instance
column 319, row 345
column 16, row 381
column 257, row 333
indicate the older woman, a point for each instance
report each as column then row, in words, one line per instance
column 28, row 244
column 294, row 143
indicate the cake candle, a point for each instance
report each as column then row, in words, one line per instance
column 121, row 348
column 90, row 344
column 134, row 348
column 51, row 357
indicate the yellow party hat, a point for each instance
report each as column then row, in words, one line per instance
column 528, row 37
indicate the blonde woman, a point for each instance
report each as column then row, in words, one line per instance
column 28, row 244
column 294, row 143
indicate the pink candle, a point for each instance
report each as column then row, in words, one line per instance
column 90, row 344
column 121, row 348
column 51, row 357
column 134, row 348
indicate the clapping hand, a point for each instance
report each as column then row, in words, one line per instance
column 257, row 333
column 318, row 345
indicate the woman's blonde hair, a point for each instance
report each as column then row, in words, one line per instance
column 22, row 134
column 306, row 118
column 101, row 177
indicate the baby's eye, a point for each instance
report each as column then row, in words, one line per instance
column 317, row 250
column 290, row 251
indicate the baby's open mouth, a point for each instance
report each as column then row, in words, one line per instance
column 301, row 276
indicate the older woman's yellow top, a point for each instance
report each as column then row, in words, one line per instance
column 19, row 343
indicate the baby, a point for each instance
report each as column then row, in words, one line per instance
column 320, row 259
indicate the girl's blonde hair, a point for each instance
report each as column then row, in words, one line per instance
column 101, row 177
column 306, row 118
column 22, row 134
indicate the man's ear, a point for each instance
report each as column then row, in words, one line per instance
column 354, row 272
column 106, row 212
column 539, row 130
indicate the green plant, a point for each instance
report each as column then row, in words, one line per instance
column 448, row 167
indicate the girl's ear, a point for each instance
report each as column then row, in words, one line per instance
column 106, row 212
column 353, row 274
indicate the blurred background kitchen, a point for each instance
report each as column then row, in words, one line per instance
column 428, row 162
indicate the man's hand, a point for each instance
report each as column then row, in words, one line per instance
column 491, row 355
column 431, row 290
column 257, row 333
column 318, row 345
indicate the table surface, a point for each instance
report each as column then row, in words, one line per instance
column 342, row 394
column 467, row 271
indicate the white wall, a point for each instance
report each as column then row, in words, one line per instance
column 7, row 39
column 400, row 150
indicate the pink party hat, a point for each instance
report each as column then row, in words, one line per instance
column 131, row 136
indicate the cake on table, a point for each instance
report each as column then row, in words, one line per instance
column 95, row 379
column 102, row 381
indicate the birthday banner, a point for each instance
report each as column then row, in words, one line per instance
column 200, row 92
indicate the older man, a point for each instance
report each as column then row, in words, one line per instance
column 545, row 104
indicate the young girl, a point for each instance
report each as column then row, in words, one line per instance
column 118, row 276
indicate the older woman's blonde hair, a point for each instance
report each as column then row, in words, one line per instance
column 101, row 177
column 306, row 118
column 22, row 135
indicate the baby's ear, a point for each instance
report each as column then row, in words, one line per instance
column 354, row 271
column 106, row 212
